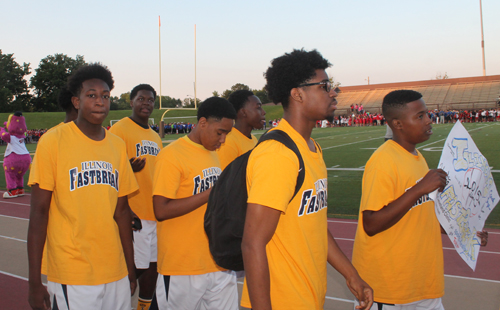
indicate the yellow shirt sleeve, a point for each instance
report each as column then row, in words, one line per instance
column 378, row 189
column 271, row 175
column 43, row 168
column 167, row 176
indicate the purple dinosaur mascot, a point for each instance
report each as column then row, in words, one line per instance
column 17, row 158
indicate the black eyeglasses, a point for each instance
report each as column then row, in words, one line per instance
column 327, row 85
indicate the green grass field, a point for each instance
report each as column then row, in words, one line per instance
column 346, row 147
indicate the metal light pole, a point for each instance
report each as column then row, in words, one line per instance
column 482, row 36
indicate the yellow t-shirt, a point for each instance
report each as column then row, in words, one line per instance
column 183, row 169
column 86, row 178
column 297, row 253
column 404, row 263
column 141, row 143
column 236, row 144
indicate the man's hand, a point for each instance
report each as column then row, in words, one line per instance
column 484, row 237
column 136, row 221
column 133, row 283
column 38, row 297
column 362, row 291
column 137, row 163
column 434, row 179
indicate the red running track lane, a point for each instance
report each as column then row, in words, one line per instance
column 487, row 263
column 17, row 207
column 13, row 293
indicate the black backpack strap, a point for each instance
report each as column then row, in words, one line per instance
column 285, row 139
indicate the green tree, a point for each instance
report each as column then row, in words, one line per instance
column 167, row 102
column 52, row 74
column 215, row 93
column 262, row 94
column 14, row 94
column 235, row 87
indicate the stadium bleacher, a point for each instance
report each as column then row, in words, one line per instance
column 481, row 92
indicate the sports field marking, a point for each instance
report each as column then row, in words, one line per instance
column 447, row 137
column 468, row 278
column 13, row 275
column 16, row 203
column 14, row 217
column 346, row 169
column 337, row 221
column 12, row 238
column 331, row 147
column 347, row 134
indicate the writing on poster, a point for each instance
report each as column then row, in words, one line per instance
column 469, row 196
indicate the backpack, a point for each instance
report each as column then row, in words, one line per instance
column 227, row 205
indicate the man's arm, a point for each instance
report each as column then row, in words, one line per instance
column 360, row 289
column 375, row 222
column 124, row 220
column 166, row 208
column 37, row 233
column 260, row 225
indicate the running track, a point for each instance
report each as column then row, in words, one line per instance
column 465, row 289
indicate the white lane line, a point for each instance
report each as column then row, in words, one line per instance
column 331, row 147
column 468, row 278
column 16, row 203
column 14, row 217
column 343, row 222
column 13, row 275
column 481, row 251
column 12, row 238
column 447, row 137
column 346, row 169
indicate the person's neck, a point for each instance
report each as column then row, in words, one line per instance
column 410, row 147
column 244, row 128
column 92, row 131
column 303, row 126
column 70, row 116
column 194, row 136
column 140, row 121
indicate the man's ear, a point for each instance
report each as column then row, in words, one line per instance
column 296, row 94
column 76, row 102
column 397, row 124
column 202, row 122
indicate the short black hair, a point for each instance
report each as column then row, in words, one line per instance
column 139, row 87
column 239, row 97
column 64, row 99
column 291, row 70
column 88, row 72
column 217, row 108
column 397, row 100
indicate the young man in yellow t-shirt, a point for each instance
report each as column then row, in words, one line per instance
column 397, row 248
column 249, row 115
column 143, row 145
column 185, row 172
column 286, row 244
column 80, row 179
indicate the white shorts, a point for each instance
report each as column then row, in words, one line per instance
column 210, row 291
column 145, row 249
column 114, row 295
column 424, row 304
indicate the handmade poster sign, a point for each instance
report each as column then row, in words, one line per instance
column 469, row 196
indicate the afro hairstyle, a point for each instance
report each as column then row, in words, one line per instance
column 89, row 72
column 239, row 97
column 139, row 87
column 291, row 70
column 217, row 108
